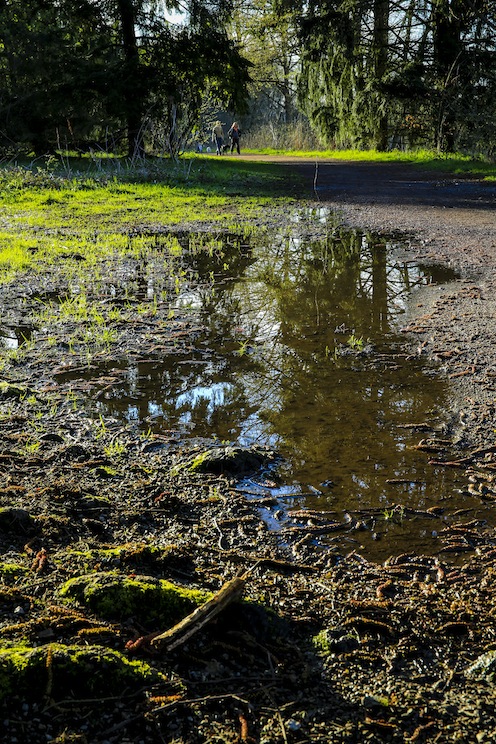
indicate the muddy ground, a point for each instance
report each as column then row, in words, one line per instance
column 322, row 646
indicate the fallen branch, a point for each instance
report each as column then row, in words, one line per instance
column 462, row 463
column 191, row 624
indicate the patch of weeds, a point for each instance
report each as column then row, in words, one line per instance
column 198, row 461
column 100, row 427
column 214, row 495
column 115, row 449
column 93, row 503
column 31, row 447
column 106, row 471
column 147, row 436
column 394, row 514
column 356, row 342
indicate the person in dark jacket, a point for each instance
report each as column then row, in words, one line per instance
column 234, row 135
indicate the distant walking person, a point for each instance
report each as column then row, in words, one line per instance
column 234, row 134
column 218, row 136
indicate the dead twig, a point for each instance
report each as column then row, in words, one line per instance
column 191, row 624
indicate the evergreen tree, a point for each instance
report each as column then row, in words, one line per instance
column 75, row 71
column 377, row 73
column 54, row 60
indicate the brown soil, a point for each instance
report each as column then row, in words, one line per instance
column 405, row 651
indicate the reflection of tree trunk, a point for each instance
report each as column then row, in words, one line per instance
column 379, row 288
column 132, row 88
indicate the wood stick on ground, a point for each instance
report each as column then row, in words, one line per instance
column 191, row 624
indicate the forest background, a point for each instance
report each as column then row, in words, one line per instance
column 130, row 77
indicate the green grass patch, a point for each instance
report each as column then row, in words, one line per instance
column 450, row 162
column 110, row 200
column 82, row 209
column 72, row 209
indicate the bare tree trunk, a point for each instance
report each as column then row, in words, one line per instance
column 133, row 90
column 381, row 25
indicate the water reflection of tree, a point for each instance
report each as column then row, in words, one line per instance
column 333, row 415
column 269, row 363
column 187, row 389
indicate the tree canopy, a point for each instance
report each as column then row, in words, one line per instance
column 120, row 76
column 378, row 73
column 77, row 73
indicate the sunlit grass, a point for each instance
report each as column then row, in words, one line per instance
column 106, row 204
column 67, row 214
column 104, row 208
column 449, row 162
column 78, row 214
column 14, row 254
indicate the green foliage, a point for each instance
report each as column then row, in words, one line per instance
column 58, row 59
column 190, row 64
column 92, row 76
column 356, row 343
column 377, row 75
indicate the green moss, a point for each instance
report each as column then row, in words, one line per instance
column 198, row 462
column 329, row 642
column 129, row 554
column 321, row 642
column 65, row 671
column 150, row 601
column 10, row 572
column 94, row 502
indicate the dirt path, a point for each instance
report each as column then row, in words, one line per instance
column 449, row 220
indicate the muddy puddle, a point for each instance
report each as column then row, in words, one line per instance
column 298, row 348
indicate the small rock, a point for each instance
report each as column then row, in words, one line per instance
column 294, row 725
